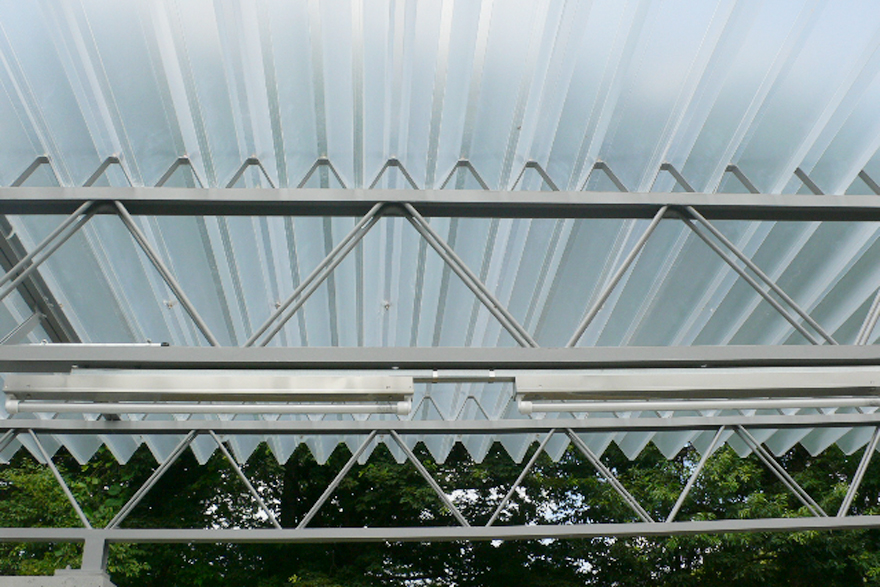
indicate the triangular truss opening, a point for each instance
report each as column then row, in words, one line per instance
column 377, row 470
column 322, row 174
column 39, row 173
column 464, row 176
column 175, row 176
column 324, row 271
column 605, row 181
column 533, row 177
column 394, row 175
column 681, row 184
column 105, row 175
column 258, row 176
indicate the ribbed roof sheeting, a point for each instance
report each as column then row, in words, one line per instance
column 532, row 95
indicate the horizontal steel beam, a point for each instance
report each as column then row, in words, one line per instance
column 56, row 358
column 434, row 534
column 464, row 203
column 441, row 427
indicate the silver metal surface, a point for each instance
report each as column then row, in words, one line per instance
column 530, row 407
column 17, row 407
column 619, row 384
column 435, row 533
column 56, row 358
column 205, row 386
column 444, row 427
column 431, row 202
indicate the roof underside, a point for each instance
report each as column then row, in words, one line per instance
column 504, row 95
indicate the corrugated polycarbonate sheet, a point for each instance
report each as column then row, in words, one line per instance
column 524, row 92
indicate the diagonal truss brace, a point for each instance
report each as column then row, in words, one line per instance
column 57, row 474
column 431, row 481
column 337, row 480
column 693, row 478
column 612, row 479
column 30, row 262
column 870, row 322
column 615, row 279
column 179, row 162
column 757, row 270
column 394, row 162
column 752, row 282
column 464, row 163
column 154, row 258
column 522, row 476
column 318, row 275
column 449, row 256
column 320, row 162
column 102, row 168
column 249, row 162
column 606, row 169
column 537, row 167
column 21, row 331
column 781, row 473
column 151, row 481
column 860, row 474
column 245, row 480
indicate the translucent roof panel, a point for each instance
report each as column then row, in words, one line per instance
column 500, row 95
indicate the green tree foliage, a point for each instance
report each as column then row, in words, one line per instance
column 385, row 493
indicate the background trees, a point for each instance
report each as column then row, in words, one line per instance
column 383, row 493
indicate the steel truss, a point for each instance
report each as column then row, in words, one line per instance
column 97, row 539
column 695, row 210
